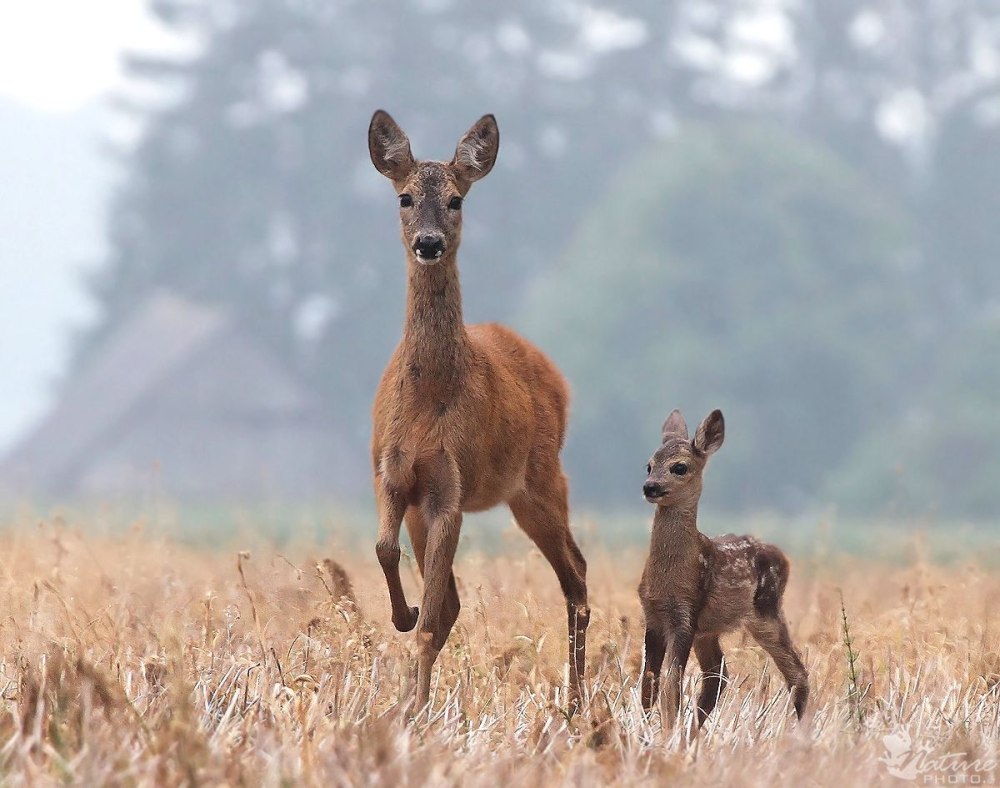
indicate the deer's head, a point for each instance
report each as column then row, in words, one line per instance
column 674, row 473
column 431, row 192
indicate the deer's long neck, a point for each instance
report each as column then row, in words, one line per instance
column 675, row 533
column 435, row 345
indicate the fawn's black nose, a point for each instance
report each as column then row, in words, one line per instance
column 429, row 246
column 652, row 490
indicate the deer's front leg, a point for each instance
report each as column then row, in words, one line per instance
column 679, row 649
column 442, row 512
column 432, row 629
column 669, row 635
column 655, row 649
column 391, row 506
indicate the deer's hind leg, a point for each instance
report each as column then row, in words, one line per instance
column 771, row 632
column 542, row 512
column 713, row 677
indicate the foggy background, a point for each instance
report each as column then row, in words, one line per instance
column 784, row 209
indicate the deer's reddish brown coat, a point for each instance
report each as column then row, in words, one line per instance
column 465, row 417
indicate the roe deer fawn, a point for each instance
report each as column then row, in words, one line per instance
column 694, row 589
column 465, row 417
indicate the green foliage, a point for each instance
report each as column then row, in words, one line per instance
column 745, row 269
column 938, row 455
column 959, row 231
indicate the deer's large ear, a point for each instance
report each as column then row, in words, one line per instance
column 675, row 426
column 711, row 433
column 477, row 150
column 389, row 147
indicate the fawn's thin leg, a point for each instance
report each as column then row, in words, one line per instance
column 655, row 649
column 391, row 506
column 678, row 651
column 771, row 632
column 416, row 526
column 544, row 516
column 713, row 677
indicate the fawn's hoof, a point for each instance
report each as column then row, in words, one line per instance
column 407, row 622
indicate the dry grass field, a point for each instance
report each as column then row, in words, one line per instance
column 139, row 661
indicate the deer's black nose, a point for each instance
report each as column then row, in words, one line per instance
column 429, row 246
column 652, row 490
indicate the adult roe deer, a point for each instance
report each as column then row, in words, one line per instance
column 694, row 589
column 465, row 417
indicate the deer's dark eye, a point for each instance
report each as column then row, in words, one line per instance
column 405, row 201
column 649, row 469
column 679, row 468
column 455, row 203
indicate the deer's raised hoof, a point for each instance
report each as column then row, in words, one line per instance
column 407, row 622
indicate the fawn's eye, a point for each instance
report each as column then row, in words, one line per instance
column 649, row 468
column 679, row 468
column 405, row 201
column 455, row 203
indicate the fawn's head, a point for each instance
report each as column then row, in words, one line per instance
column 431, row 192
column 673, row 476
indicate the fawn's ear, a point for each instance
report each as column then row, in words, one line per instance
column 477, row 150
column 675, row 426
column 711, row 433
column 389, row 147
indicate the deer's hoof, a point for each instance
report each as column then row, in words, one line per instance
column 408, row 622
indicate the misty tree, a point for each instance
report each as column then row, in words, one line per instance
column 752, row 271
column 253, row 189
column 899, row 466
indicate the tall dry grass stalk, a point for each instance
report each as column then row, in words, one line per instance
column 854, row 694
column 143, row 662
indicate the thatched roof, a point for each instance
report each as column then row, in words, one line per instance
column 153, row 355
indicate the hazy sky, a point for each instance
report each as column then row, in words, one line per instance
column 58, row 58
column 58, row 55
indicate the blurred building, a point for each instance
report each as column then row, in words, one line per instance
column 181, row 402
